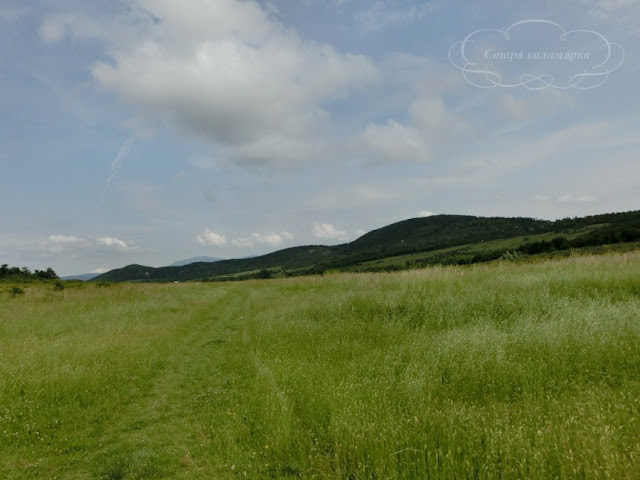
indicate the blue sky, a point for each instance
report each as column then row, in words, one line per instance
column 146, row 131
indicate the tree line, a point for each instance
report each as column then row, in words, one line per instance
column 25, row 275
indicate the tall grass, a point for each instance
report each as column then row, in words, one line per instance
column 492, row 371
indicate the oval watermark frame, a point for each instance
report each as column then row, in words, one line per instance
column 485, row 72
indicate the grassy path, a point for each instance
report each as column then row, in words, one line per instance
column 155, row 404
column 176, row 423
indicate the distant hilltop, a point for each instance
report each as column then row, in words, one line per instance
column 418, row 242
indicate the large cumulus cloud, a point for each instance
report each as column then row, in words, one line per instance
column 227, row 72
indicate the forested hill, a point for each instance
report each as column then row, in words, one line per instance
column 451, row 239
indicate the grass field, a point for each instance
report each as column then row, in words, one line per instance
column 491, row 371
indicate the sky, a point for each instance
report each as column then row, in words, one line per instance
column 149, row 131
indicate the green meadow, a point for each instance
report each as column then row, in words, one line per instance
column 501, row 370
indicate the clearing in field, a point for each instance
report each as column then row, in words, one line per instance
column 494, row 371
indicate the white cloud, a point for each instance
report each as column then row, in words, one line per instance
column 66, row 240
column 394, row 142
column 100, row 270
column 431, row 116
column 425, row 213
column 211, row 239
column 58, row 244
column 529, row 106
column 431, row 128
column 111, row 242
column 329, row 232
column 224, row 71
column 271, row 240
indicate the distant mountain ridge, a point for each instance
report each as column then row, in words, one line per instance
column 85, row 277
column 445, row 239
column 189, row 261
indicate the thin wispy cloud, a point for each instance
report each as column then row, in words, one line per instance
column 116, row 165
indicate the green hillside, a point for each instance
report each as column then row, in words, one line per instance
column 440, row 239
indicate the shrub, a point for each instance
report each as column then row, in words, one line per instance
column 560, row 243
column 14, row 291
column 264, row 274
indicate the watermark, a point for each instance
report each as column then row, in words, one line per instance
column 536, row 54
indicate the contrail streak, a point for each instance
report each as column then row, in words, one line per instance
column 116, row 164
